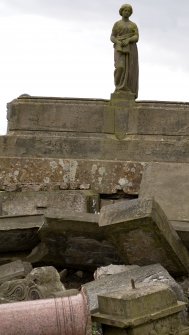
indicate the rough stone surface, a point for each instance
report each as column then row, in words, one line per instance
column 40, row 283
column 112, row 269
column 133, row 303
column 47, row 174
column 19, row 233
column 13, row 270
column 29, row 203
column 147, row 274
column 75, row 240
column 169, row 185
column 142, row 234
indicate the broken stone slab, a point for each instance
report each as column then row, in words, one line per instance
column 32, row 203
column 13, row 270
column 75, row 240
column 19, row 233
column 142, row 234
column 144, row 309
column 146, row 274
column 40, row 283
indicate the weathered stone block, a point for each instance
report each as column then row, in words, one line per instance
column 146, row 275
column 141, row 310
column 142, row 234
column 60, row 114
column 169, row 185
column 159, row 118
column 30, row 203
column 48, row 174
column 134, row 303
column 19, row 233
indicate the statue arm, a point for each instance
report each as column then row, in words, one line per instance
column 113, row 38
column 132, row 39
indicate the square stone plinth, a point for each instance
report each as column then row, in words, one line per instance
column 139, row 310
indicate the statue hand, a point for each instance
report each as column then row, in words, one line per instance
column 125, row 43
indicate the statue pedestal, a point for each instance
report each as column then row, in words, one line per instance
column 122, row 98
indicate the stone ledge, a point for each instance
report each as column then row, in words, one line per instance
column 39, row 174
column 131, row 148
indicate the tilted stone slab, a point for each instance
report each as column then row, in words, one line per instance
column 142, row 234
column 19, row 233
column 75, row 240
column 60, row 114
column 122, row 281
column 48, row 174
column 182, row 229
column 169, row 185
column 30, row 203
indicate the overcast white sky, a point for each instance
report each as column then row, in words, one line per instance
column 62, row 48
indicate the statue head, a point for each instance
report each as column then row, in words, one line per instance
column 126, row 7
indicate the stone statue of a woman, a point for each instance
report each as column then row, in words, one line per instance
column 125, row 36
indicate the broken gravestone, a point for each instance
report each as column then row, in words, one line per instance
column 142, row 235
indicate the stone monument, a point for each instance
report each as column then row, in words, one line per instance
column 125, row 36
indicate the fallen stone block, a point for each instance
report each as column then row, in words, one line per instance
column 75, row 240
column 13, row 270
column 19, row 233
column 142, row 234
column 146, row 274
